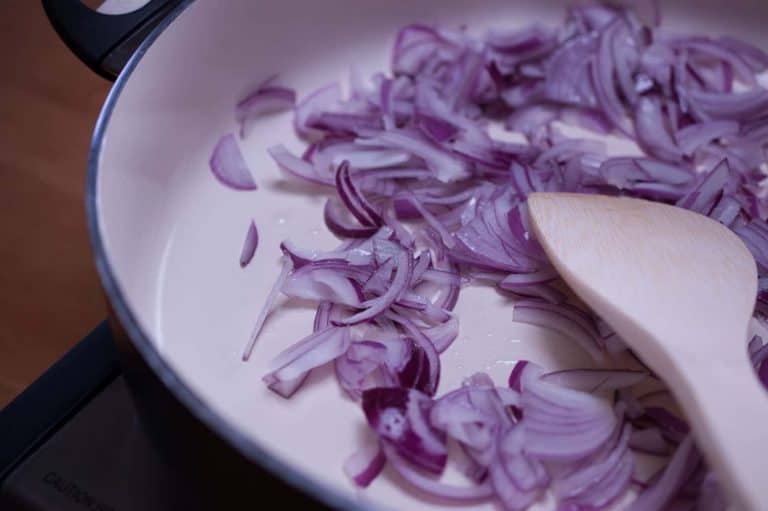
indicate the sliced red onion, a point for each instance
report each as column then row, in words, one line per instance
column 711, row 496
column 443, row 334
column 695, row 136
column 445, row 167
column 701, row 198
column 488, row 241
column 726, row 211
column 285, row 388
column 358, row 364
column 269, row 305
column 712, row 50
column 560, row 152
column 421, row 266
column 756, row 239
column 324, row 282
column 626, row 58
column 266, row 99
column 342, row 123
column 454, row 494
column 531, row 119
column 465, row 80
column 534, row 284
column 404, row 208
column 420, row 145
column 400, row 417
column 562, row 424
column 595, row 380
column 762, row 373
column 365, row 465
column 652, row 131
column 293, row 364
column 322, row 99
column 441, row 277
column 524, row 180
column 445, row 236
column 310, row 352
column 327, row 157
column 568, row 77
column 432, row 106
column 386, row 103
column 401, row 278
column 516, row 375
column 603, row 69
column 587, row 118
column 519, row 478
column 649, row 441
column 416, row 373
column 228, row 165
column 322, row 316
column 632, row 173
column 333, row 214
column 759, row 356
column 760, row 360
column 354, row 200
column 508, row 492
column 436, row 129
column 601, row 479
column 398, row 351
column 250, row 245
column 736, row 106
column 425, row 343
column 467, row 465
column 756, row 58
column 378, row 281
column 661, row 397
column 658, row 495
column 756, row 342
column 414, row 46
column 656, row 63
column 671, row 426
column 564, row 321
column 470, row 415
column 358, row 255
column 297, row 167
column 523, row 43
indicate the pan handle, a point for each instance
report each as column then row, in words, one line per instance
column 104, row 42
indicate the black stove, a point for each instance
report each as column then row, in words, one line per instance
column 72, row 441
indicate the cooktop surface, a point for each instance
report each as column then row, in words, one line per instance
column 73, row 441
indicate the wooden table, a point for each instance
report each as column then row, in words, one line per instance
column 49, row 292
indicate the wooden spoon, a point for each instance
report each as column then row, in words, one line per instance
column 679, row 288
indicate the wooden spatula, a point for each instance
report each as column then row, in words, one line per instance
column 680, row 289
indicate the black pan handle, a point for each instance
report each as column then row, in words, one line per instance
column 104, row 42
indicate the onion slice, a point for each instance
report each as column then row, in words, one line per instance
column 265, row 99
column 228, row 165
column 364, row 465
column 663, row 490
column 595, row 380
column 400, row 417
column 266, row 310
column 250, row 245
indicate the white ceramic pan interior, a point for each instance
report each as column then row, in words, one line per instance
column 172, row 234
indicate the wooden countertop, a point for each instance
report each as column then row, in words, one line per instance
column 49, row 293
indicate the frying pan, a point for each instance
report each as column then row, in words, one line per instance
column 166, row 236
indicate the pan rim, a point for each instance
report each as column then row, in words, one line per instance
column 252, row 450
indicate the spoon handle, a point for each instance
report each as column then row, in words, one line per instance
column 679, row 288
column 728, row 410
